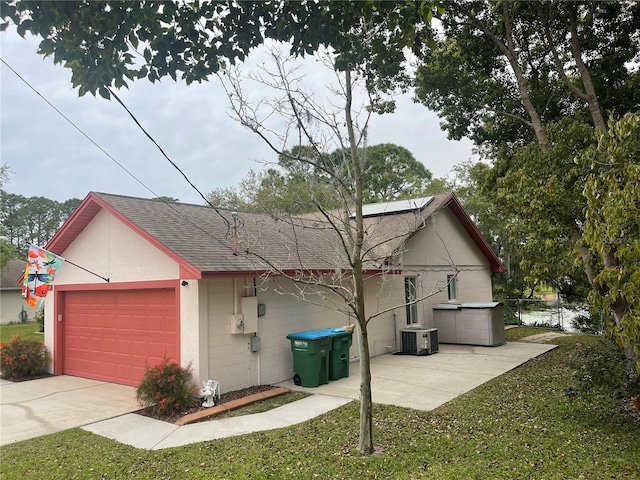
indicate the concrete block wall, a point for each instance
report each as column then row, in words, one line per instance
column 286, row 314
column 231, row 361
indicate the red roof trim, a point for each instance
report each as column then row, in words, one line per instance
column 143, row 285
column 463, row 217
column 87, row 210
column 260, row 273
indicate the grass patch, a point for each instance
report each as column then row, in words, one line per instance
column 515, row 334
column 25, row 330
column 264, row 405
column 519, row 425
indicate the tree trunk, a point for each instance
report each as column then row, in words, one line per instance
column 365, row 442
column 585, row 75
column 366, row 404
column 620, row 307
column 509, row 51
column 587, row 261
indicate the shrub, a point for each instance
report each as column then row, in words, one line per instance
column 599, row 367
column 510, row 316
column 23, row 357
column 40, row 319
column 166, row 388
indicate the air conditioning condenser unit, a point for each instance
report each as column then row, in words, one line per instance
column 423, row 341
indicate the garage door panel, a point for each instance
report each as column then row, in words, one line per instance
column 110, row 370
column 109, row 346
column 124, row 347
column 113, row 335
column 158, row 350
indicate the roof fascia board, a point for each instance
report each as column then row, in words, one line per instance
column 87, row 204
column 262, row 273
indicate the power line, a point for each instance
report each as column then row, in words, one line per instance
column 226, row 222
column 77, row 128
column 166, row 156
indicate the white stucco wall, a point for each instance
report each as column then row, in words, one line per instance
column 110, row 249
column 230, row 360
column 382, row 293
column 194, row 328
column 286, row 314
column 443, row 242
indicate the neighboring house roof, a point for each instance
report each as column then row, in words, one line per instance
column 201, row 239
column 12, row 274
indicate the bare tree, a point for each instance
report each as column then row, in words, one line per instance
column 366, row 250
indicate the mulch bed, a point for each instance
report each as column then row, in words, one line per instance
column 26, row 379
column 197, row 404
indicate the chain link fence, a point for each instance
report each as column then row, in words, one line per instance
column 554, row 313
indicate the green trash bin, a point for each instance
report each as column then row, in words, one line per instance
column 339, row 355
column 310, row 357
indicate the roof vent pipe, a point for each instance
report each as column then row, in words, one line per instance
column 235, row 232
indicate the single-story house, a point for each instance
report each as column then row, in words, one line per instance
column 12, row 305
column 217, row 290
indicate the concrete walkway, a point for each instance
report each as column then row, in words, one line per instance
column 39, row 407
column 144, row 432
column 543, row 337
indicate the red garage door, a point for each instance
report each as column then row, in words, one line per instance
column 113, row 335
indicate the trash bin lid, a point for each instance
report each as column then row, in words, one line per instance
column 309, row 335
column 317, row 334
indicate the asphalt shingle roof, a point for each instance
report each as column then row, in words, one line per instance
column 204, row 237
column 11, row 274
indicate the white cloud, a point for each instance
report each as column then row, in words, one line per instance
column 50, row 158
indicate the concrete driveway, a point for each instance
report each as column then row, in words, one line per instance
column 38, row 407
column 426, row 382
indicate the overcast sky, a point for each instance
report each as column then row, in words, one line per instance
column 48, row 157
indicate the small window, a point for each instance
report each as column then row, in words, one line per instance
column 452, row 287
column 411, row 297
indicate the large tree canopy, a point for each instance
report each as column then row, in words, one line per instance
column 531, row 83
column 306, row 179
column 110, row 43
column 391, row 172
column 31, row 220
column 504, row 70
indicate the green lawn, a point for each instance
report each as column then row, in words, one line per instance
column 25, row 330
column 519, row 425
column 264, row 405
column 515, row 334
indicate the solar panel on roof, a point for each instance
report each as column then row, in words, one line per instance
column 397, row 206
